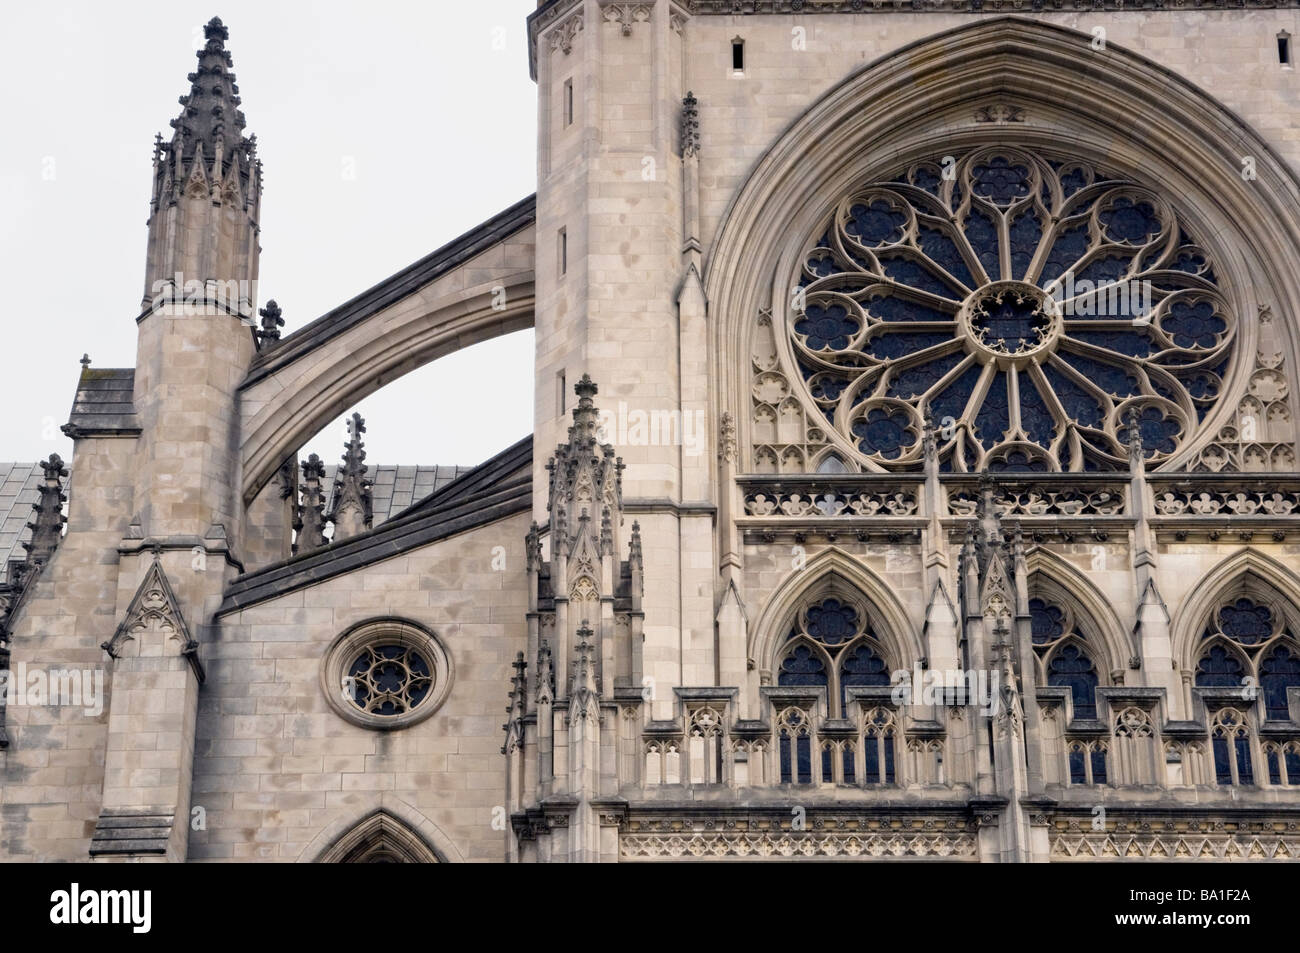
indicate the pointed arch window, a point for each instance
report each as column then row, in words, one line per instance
column 1064, row 654
column 705, row 740
column 1230, row 742
column 879, row 744
column 832, row 646
column 1087, row 761
column 1283, row 762
column 1249, row 644
column 1279, row 671
column 794, row 746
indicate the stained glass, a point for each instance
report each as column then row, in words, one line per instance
column 924, row 292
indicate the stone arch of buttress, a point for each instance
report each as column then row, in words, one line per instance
column 479, row 292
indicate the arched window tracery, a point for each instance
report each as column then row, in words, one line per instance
column 1087, row 761
column 833, row 647
column 1042, row 305
column 1248, row 645
column 1230, row 744
column 794, row 746
column 879, row 746
column 1067, row 661
column 1283, row 762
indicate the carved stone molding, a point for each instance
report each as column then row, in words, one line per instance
column 563, row 35
column 1226, row 502
column 810, row 844
column 1032, row 500
column 1147, row 846
column 690, row 126
column 626, row 14
column 758, row 7
column 1000, row 113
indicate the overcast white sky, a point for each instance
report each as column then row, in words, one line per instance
column 432, row 104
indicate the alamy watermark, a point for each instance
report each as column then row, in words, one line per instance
column 178, row 296
column 59, row 687
column 942, row 687
column 654, row 428
column 1086, row 298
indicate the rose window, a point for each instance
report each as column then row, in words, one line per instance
column 386, row 674
column 1035, row 310
column 389, row 679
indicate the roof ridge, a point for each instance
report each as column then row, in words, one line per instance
column 384, row 542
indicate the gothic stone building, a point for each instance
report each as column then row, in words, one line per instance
column 913, row 474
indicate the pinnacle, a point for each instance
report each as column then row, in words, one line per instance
column 210, row 118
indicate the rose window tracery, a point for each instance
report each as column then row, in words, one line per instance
column 1034, row 308
column 389, row 679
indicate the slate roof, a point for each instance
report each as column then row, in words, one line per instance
column 18, row 491
column 489, row 492
column 396, row 487
column 104, row 404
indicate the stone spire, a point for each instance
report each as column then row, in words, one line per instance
column 47, row 532
column 517, row 708
column 207, row 193
column 1133, row 438
column 989, row 540
column 47, row 525
column 310, row 522
column 586, row 625
column 634, row 556
column 210, row 126
column 353, row 503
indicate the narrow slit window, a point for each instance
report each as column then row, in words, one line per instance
column 1284, row 49
column 568, row 102
column 738, row 55
column 563, row 252
column 563, row 392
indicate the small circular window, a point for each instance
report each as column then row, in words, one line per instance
column 385, row 674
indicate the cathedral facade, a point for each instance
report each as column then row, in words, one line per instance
column 913, row 474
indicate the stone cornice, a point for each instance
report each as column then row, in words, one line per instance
column 786, row 7
column 554, row 10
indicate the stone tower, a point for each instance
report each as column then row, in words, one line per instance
column 876, row 542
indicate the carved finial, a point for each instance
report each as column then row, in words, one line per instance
column 47, row 523
column 990, row 522
column 533, row 548
column 353, row 511
column 727, row 448
column 216, row 30
column 634, row 557
column 514, row 727
column 310, row 519
column 690, row 127
column 545, row 674
column 85, row 362
column 606, row 534
column 1136, row 452
column 585, row 388
column 584, row 672
column 929, row 435
column 272, row 322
